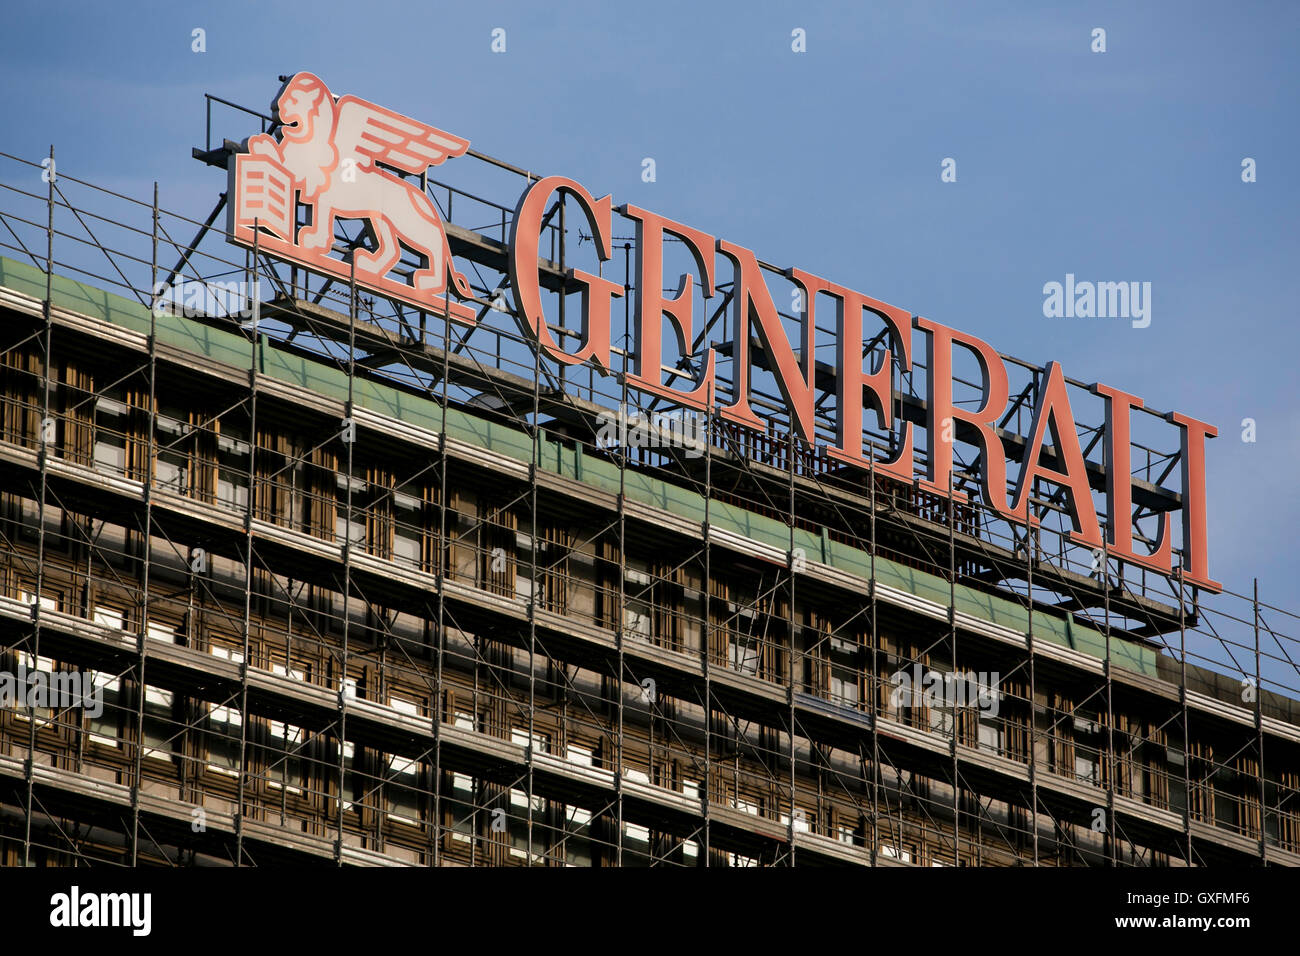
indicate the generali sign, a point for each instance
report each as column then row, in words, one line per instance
column 330, row 154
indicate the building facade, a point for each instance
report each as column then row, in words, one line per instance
column 332, row 616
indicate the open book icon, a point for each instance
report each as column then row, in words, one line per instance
column 264, row 196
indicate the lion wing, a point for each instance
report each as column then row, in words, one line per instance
column 364, row 129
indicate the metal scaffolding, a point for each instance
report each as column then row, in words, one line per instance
column 361, row 586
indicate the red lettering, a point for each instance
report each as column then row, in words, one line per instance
column 1053, row 412
column 794, row 377
column 597, row 292
column 943, row 415
column 855, row 381
column 1195, row 544
column 651, row 306
column 1119, row 485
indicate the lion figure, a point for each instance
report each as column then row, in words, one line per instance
column 333, row 150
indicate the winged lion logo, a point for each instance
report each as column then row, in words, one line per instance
column 331, row 155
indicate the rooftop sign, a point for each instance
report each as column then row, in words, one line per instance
column 329, row 156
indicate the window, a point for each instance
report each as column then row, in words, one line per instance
column 745, row 806
column 105, row 729
column 1087, row 744
column 636, row 845
column 1085, row 767
column 408, row 534
column 282, row 671
column 284, row 763
column 110, row 617
column 891, row 852
column 400, row 789
column 110, row 435
column 518, row 822
column 690, row 852
column 461, row 806
column 580, row 755
column 577, row 837
column 742, row 653
column 801, row 818
column 691, row 849
column 171, row 468
column 742, row 645
column 349, row 779
column 519, row 801
column 225, row 725
column 31, row 665
column 232, row 470
column 845, row 671
column 1173, row 776
column 637, row 599
column 159, row 708
column 941, row 715
column 283, row 757
column 161, row 632
column 526, row 585
column 403, row 776
column 990, row 732
column 353, row 532
column 48, row 601
column 541, row 743
column 226, row 653
column 408, row 707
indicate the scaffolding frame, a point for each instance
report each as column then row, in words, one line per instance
column 937, row 776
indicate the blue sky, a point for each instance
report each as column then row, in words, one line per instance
column 1123, row 165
